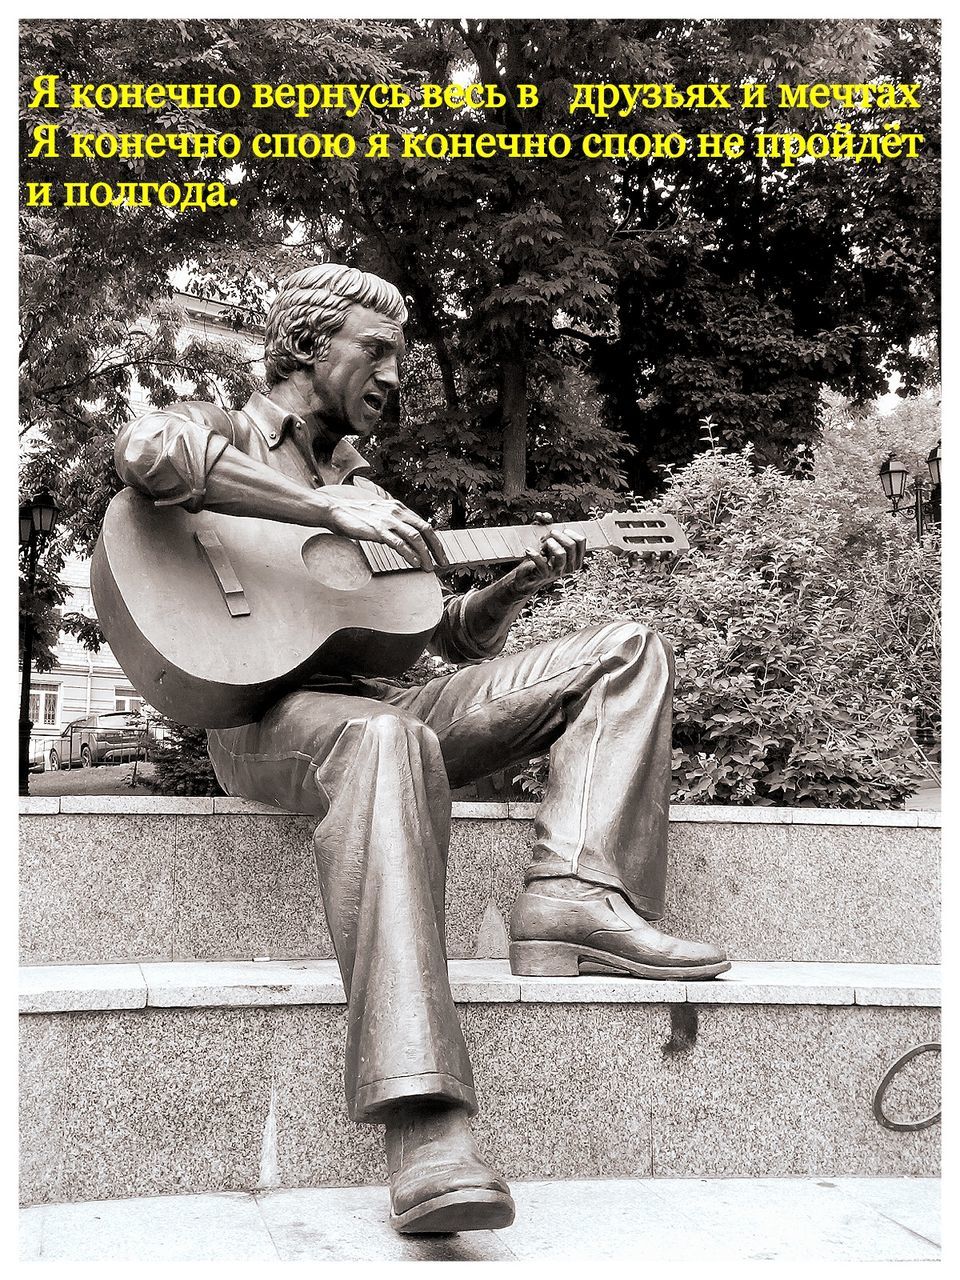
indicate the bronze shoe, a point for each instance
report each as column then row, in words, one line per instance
column 439, row 1182
column 564, row 927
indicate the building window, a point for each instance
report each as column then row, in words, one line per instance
column 127, row 699
column 43, row 703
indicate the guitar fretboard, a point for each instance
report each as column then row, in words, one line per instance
column 643, row 532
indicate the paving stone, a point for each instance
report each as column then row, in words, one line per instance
column 764, row 1219
column 752, row 983
column 730, row 815
column 39, row 804
column 486, row 809
column 157, row 1229
column 233, row 804
column 913, row 1203
column 697, row 1221
column 901, row 984
column 168, row 805
column 486, row 861
column 599, row 1220
column 56, row 988
column 317, row 1144
column 566, row 1089
column 856, row 817
column 350, row 1224
column 235, row 983
column 108, row 886
column 30, row 1233
column 483, row 982
column 599, row 989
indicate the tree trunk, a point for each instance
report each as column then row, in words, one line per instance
column 513, row 415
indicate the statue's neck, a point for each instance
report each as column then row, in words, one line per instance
column 320, row 434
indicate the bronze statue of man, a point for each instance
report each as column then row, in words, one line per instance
column 375, row 762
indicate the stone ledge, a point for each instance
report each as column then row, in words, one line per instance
column 268, row 983
column 487, row 810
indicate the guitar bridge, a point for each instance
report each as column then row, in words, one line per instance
column 231, row 588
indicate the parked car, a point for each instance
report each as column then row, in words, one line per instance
column 108, row 738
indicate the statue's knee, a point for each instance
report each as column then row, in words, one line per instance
column 635, row 637
column 641, row 643
column 395, row 729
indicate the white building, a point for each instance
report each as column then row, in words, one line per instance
column 82, row 683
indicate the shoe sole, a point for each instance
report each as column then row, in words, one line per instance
column 568, row 960
column 468, row 1210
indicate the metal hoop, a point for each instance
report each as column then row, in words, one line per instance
column 933, row 1047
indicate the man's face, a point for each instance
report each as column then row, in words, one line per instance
column 362, row 366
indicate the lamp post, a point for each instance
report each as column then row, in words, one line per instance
column 894, row 476
column 37, row 520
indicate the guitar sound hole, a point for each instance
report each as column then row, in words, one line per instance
column 336, row 562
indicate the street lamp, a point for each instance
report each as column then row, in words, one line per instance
column 933, row 462
column 894, row 476
column 38, row 518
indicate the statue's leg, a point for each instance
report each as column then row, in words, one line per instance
column 601, row 702
column 375, row 776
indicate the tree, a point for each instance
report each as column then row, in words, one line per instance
column 762, row 284
column 571, row 319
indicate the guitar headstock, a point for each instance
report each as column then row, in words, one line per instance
column 644, row 533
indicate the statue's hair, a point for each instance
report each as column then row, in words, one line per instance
column 311, row 306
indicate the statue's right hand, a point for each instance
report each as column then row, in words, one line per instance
column 360, row 514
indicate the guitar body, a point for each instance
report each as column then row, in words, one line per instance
column 214, row 617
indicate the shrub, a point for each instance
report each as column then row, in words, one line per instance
column 806, row 633
column 182, row 766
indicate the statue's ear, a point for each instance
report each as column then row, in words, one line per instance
column 303, row 344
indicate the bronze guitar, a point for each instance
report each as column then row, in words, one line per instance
column 213, row 617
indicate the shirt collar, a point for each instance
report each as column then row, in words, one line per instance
column 272, row 421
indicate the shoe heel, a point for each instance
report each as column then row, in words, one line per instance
column 544, row 960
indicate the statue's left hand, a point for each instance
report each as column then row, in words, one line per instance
column 560, row 553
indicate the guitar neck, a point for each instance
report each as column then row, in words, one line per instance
column 470, row 548
column 467, row 548
column 643, row 533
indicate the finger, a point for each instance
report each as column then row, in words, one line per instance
column 412, row 538
column 542, row 517
column 580, row 542
column 402, row 549
column 432, row 539
column 556, row 553
column 573, row 550
column 426, row 532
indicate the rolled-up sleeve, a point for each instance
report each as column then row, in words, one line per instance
column 454, row 641
column 167, row 455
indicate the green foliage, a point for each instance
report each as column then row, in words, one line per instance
column 758, row 284
column 806, row 636
column 182, row 765
column 574, row 318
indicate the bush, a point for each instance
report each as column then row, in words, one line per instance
column 806, row 632
column 182, row 766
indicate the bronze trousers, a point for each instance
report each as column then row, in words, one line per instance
column 376, row 763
